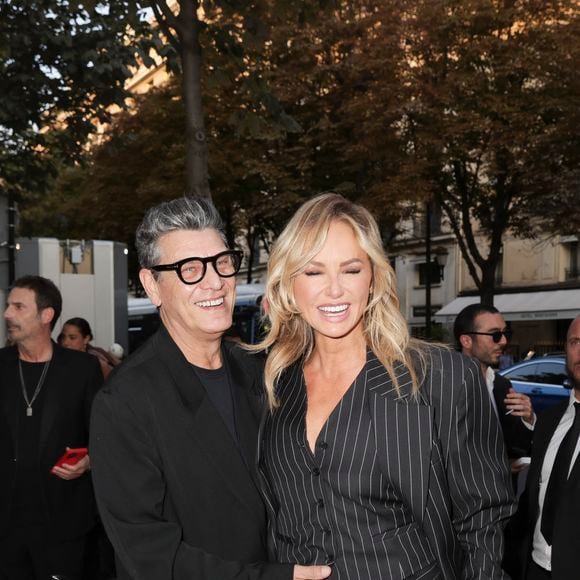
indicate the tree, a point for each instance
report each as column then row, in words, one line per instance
column 63, row 64
column 262, row 163
column 321, row 74
column 140, row 163
column 182, row 30
column 490, row 99
column 233, row 30
column 334, row 67
column 471, row 103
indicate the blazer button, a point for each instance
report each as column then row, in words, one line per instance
column 323, row 445
column 320, row 503
column 316, row 472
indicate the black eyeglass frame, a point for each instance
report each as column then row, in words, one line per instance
column 176, row 266
column 496, row 334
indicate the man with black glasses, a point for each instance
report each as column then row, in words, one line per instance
column 175, row 430
column 481, row 333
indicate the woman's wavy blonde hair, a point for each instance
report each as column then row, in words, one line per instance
column 290, row 337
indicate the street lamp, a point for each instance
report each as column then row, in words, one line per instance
column 428, row 270
column 440, row 261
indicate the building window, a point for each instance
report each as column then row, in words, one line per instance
column 419, row 229
column 573, row 270
column 421, row 311
column 434, row 274
column 438, row 333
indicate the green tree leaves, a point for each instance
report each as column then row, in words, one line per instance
column 62, row 65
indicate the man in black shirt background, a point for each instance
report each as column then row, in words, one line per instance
column 45, row 397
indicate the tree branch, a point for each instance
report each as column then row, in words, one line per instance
column 161, row 6
column 265, row 242
column 504, row 196
column 479, row 160
column 459, row 237
column 167, row 21
column 465, row 207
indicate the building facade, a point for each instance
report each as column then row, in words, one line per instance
column 537, row 287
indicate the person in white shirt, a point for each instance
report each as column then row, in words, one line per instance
column 547, row 524
column 481, row 333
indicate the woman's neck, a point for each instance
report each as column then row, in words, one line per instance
column 334, row 356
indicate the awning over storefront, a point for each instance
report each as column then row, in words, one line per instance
column 547, row 305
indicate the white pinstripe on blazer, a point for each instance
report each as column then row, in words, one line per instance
column 444, row 454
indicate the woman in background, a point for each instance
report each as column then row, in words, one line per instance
column 77, row 335
column 381, row 456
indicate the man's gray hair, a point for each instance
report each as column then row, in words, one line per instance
column 184, row 213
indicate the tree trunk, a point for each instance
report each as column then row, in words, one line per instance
column 251, row 241
column 482, row 270
column 197, row 182
column 428, row 270
column 227, row 215
column 487, row 286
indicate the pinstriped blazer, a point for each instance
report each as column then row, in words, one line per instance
column 443, row 453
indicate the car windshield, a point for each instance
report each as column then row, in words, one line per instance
column 541, row 371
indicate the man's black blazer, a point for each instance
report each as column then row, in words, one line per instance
column 517, row 437
column 566, row 536
column 71, row 383
column 174, row 493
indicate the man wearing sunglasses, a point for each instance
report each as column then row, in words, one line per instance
column 174, row 431
column 481, row 333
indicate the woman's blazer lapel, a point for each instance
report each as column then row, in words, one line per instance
column 403, row 428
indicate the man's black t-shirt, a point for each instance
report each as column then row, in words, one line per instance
column 28, row 504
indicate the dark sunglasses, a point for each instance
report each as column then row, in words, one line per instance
column 496, row 335
column 192, row 270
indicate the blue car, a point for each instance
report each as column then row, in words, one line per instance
column 542, row 379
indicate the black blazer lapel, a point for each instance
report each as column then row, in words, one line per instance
column 575, row 473
column 55, row 377
column 403, row 427
column 202, row 421
column 542, row 438
column 250, row 402
column 11, row 398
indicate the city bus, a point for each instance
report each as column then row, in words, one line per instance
column 247, row 326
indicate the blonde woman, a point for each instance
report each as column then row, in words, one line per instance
column 381, row 456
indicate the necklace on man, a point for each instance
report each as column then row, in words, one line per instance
column 38, row 386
